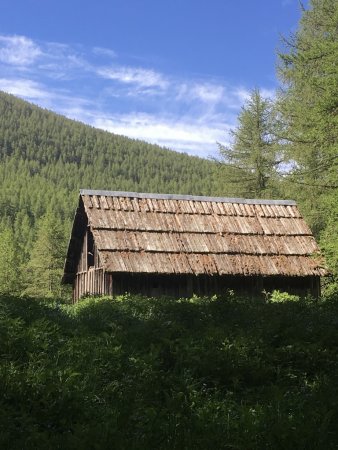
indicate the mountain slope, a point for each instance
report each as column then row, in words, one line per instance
column 45, row 159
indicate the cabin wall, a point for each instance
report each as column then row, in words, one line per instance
column 93, row 282
column 187, row 285
column 294, row 285
column 90, row 277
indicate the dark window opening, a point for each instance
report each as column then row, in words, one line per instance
column 90, row 249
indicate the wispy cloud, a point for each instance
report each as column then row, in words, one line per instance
column 96, row 86
column 28, row 89
column 134, row 75
column 62, row 101
column 192, row 137
column 18, row 50
column 208, row 92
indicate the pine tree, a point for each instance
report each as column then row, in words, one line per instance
column 250, row 163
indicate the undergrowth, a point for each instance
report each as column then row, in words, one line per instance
column 157, row 373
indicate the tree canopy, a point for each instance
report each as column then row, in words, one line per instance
column 251, row 161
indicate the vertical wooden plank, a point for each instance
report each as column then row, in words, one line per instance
column 102, row 282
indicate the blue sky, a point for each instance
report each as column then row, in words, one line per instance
column 172, row 72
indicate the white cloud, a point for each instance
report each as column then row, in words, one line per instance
column 62, row 102
column 242, row 94
column 191, row 137
column 62, row 62
column 134, row 75
column 213, row 95
column 207, row 92
column 24, row 88
column 18, row 50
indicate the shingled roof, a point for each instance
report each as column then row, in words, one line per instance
column 182, row 234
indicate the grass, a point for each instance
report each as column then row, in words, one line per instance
column 146, row 373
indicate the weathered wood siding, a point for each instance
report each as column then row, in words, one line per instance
column 90, row 279
column 93, row 282
column 99, row 282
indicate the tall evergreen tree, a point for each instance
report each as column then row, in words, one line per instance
column 250, row 162
column 309, row 106
column 10, row 279
column 45, row 266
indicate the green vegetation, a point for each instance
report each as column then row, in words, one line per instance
column 44, row 269
column 308, row 107
column 45, row 159
column 143, row 373
column 250, row 164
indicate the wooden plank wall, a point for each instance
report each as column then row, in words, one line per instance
column 98, row 282
column 92, row 282
column 187, row 285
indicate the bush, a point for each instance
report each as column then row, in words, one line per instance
column 281, row 297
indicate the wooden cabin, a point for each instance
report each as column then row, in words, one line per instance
column 179, row 245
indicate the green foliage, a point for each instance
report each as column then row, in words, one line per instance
column 168, row 374
column 282, row 297
column 249, row 166
column 329, row 236
column 9, row 262
column 308, row 68
column 45, row 266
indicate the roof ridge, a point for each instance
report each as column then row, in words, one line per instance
column 200, row 198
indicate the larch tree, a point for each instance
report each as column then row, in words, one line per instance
column 250, row 163
column 45, row 266
column 308, row 104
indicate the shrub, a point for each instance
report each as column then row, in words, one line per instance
column 281, row 297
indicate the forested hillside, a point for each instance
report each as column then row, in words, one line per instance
column 45, row 159
column 284, row 147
